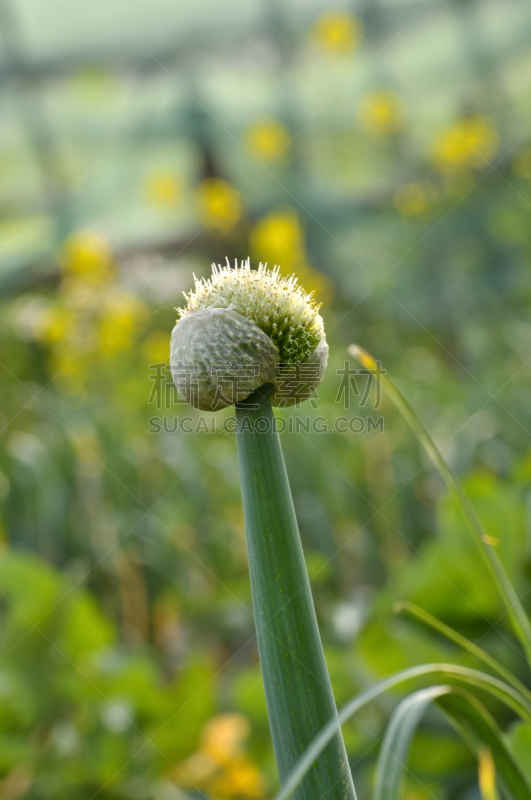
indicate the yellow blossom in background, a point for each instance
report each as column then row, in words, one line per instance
column 86, row 256
column 222, row 736
column 415, row 199
column 219, row 205
column 381, row 112
column 58, row 323
column 240, row 779
column 266, row 139
column 220, row 765
column 278, row 238
column 336, row 31
column 120, row 324
column 163, row 188
column 522, row 164
column 196, row 770
column 471, row 142
column 93, row 326
column 487, row 774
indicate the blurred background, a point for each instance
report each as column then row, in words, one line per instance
column 382, row 151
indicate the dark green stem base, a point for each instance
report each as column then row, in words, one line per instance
column 297, row 686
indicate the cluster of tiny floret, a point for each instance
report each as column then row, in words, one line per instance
column 283, row 310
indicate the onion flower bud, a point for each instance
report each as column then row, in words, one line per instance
column 242, row 329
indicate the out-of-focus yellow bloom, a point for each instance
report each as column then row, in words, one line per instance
column 196, row 770
column 487, row 775
column 240, row 779
column 471, row 142
column 220, row 766
column 120, row 324
column 58, row 324
column 336, row 32
column 156, row 347
column 278, row 238
column 415, row 199
column 219, row 205
column 222, row 737
column 381, row 112
column 522, row 164
column 163, row 188
column 266, row 139
column 87, row 257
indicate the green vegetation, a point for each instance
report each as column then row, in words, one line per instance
column 382, row 153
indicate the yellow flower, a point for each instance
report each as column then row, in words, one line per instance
column 240, row 779
column 471, row 142
column 222, row 737
column 121, row 323
column 415, row 199
column 336, row 31
column 487, row 774
column 278, row 238
column 266, row 139
column 219, row 205
column 220, row 767
column 381, row 112
column 522, row 164
column 163, row 188
column 88, row 257
column 196, row 770
column 58, row 324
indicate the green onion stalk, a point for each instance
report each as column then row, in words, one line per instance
column 255, row 339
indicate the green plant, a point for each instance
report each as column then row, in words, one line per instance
column 266, row 325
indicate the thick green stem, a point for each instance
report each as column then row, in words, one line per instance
column 297, row 685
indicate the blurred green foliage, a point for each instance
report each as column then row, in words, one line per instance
column 397, row 186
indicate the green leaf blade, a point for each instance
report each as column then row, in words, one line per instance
column 450, row 673
column 519, row 619
column 468, row 716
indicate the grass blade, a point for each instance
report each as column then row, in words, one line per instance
column 394, row 751
column 462, row 641
column 297, row 686
column 460, row 676
column 515, row 610
column 469, row 716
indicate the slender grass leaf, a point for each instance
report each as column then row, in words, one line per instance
column 397, row 741
column 468, row 715
column 513, row 606
column 449, row 673
column 519, row 741
column 462, row 641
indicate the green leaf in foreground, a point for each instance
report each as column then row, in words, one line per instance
column 519, row 741
column 449, row 673
column 297, row 686
column 469, row 716
column 513, row 606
